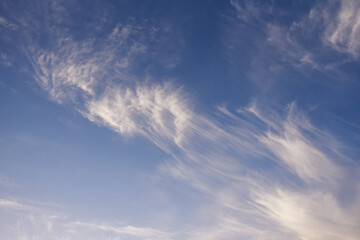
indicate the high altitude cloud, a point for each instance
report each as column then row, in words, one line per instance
column 277, row 45
column 265, row 174
column 343, row 32
column 35, row 221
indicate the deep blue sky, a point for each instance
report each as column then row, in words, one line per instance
column 173, row 120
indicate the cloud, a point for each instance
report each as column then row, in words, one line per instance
column 157, row 112
column 261, row 44
column 21, row 220
column 6, row 203
column 4, row 60
column 248, row 10
column 71, row 68
column 268, row 202
column 276, row 46
column 7, row 24
column 311, row 215
column 264, row 173
column 147, row 233
column 246, row 166
column 300, row 154
column 343, row 31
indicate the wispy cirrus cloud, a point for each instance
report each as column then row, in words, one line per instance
column 71, row 66
column 343, row 31
column 7, row 24
column 264, row 174
column 311, row 214
column 158, row 112
column 22, row 220
column 259, row 203
column 303, row 44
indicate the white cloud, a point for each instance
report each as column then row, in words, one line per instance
column 28, row 221
column 247, row 10
column 157, row 112
column 4, row 60
column 264, row 176
column 300, row 155
column 73, row 69
column 6, row 203
column 304, row 44
column 5, row 23
column 252, row 196
column 312, row 215
column 219, row 160
column 343, row 32
column 147, row 233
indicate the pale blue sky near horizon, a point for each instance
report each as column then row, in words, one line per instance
column 180, row 119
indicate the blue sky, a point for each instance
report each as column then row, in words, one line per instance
column 182, row 120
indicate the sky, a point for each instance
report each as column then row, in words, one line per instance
column 179, row 120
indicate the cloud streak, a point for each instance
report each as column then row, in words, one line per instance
column 22, row 220
column 264, row 174
column 270, row 202
column 343, row 32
